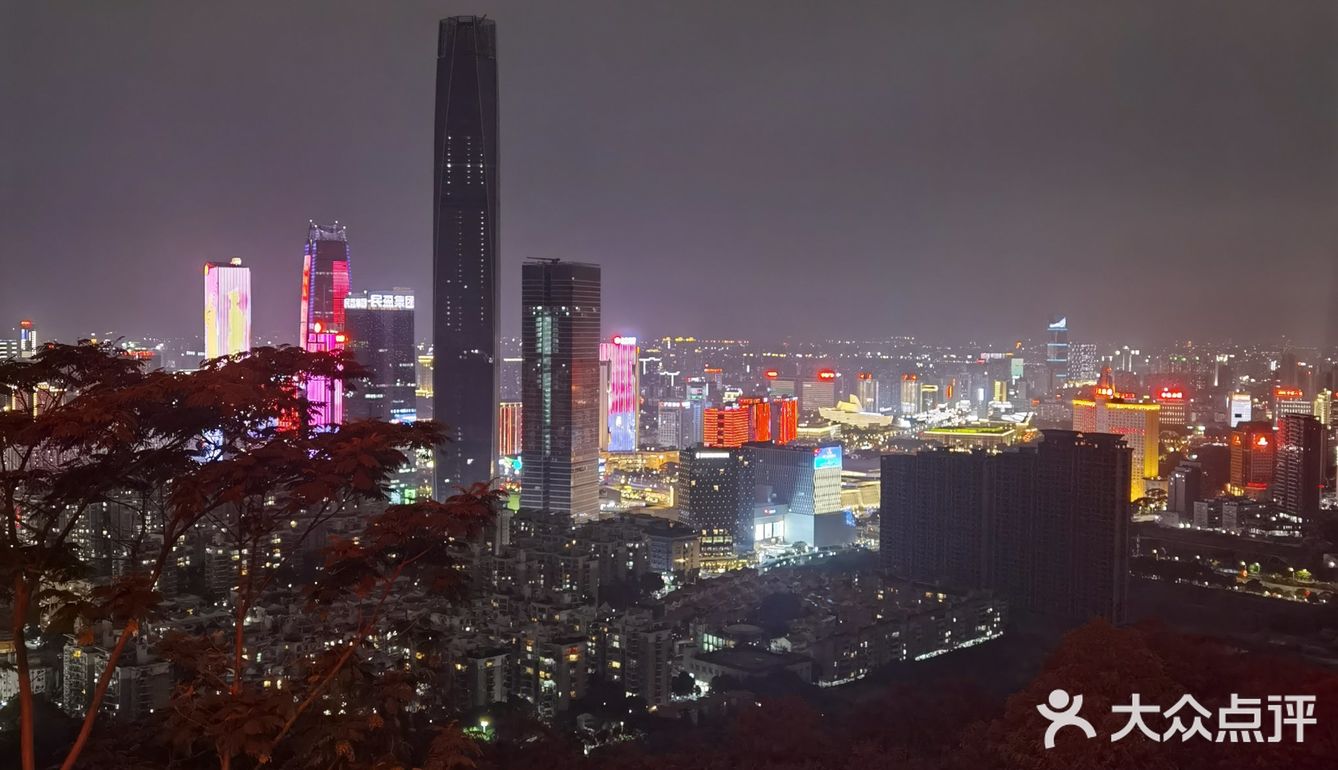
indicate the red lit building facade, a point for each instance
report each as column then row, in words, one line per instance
column 509, row 429
column 785, row 414
column 1252, row 459
column 725, row 426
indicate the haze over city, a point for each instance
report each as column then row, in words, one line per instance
column 668, row 385
column 939, row 170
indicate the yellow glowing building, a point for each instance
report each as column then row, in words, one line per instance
column 1139, row 422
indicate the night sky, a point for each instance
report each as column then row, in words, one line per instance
column 954, row 171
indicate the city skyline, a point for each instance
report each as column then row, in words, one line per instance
column 1155, row 155
column 707, row 457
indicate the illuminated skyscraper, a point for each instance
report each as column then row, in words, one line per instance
column 325, row 280
column 726, row 426
column 23, row 347
column 785, row 419
column 1172, row 403
column 1323, row 410
column 1057, row 348
column 1083, row 362
column 1289, row 400
column 380, row 336
column 227, row 308
column 819, row 392
column 1253, row 455
column 509, row 432
column 673, row 422
column 759, row 417
column 910, row 394
column 715, row 495
column 465, row 264
column 1137, row 421
column 867, row 391
column 805, row 481
column 560, row 345
column 624, row 389
column 1240, row 409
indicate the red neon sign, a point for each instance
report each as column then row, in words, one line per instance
column 826, row 374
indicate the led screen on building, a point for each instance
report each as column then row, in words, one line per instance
column 826, row 457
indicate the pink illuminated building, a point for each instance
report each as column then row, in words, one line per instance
column 325, row 281
column 227, row 308
column 623, row 394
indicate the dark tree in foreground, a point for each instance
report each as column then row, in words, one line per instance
column 229, row 447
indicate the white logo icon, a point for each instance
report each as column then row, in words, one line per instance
column 1063, row 712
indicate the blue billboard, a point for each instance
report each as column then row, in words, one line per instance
column 827, row 457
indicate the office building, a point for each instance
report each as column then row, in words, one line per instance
column 560, row 345
column 1288, row 400
column 1187, row 486
column 1137, row 421
column 785, row 419
column 819, row 392
column 1323, row 409
column 910, row 394
column 227, row 308
column 672, row 425
column 1083, row 364
column 25, row 346
column 381, row 338
column 805, row 482
column 623, row 394
column 866, row 388
column 509, row 430
column 325, row 283
column 1253, row 456
column 466, row 277
column 1172, row 403
column 726, row 426
column 760, row 421
column 1299, row 476
column 27, row 339
column 715, row 495
column 1239, row 408
column 1057, row 348
column 1045, row 525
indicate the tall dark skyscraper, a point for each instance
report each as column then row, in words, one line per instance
column 465, row 266
column 381, row 338
column 560, row 387
column 1299, row 477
